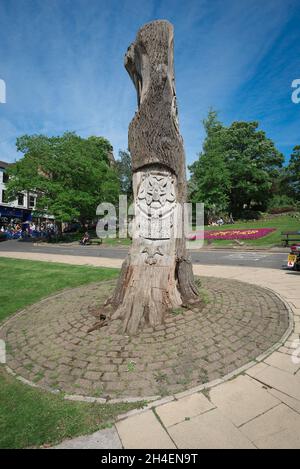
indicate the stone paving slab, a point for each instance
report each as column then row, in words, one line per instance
column 286, row 350
column 242, row 399
column 297, row 328
column 256, row 369
column 297, row 313
column 102, row 439
column 144, row 431
column 280, row 380
column 210, row 430
column 276, row 429
column 283, row 362
column 295, row 302
column 183, row 409
column 285, row 399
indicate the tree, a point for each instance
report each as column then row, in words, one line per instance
column 125, row 173
column 210, row 178
column 253, row 163
column 72, row 175
column 157, row 274
column 293, row 173
column 238, row 167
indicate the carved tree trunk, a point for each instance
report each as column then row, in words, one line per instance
column 157, row 274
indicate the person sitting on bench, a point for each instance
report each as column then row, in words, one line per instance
column 85, row 239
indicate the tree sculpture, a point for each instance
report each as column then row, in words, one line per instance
column 157, row 274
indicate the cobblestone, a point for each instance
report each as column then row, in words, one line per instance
column 49, row 343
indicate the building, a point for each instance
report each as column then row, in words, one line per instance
column 21, row 209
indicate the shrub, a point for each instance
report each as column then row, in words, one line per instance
column 248, row 214
column 288, row 208
column 281, row 204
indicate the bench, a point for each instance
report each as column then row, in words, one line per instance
column 288, row 236
column 95, row 241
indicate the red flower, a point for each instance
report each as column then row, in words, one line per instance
column 232, row 234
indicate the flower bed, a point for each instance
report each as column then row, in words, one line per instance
column 254, row 233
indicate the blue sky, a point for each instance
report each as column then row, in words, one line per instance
column 62, row 62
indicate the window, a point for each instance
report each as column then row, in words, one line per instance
column 20, row 199
column 4, row 198
column 31, row 201
column 5, row 177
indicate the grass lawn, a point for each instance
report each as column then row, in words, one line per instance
column 31, row 417
column 117, row 241
column 25, row 282
column 281, row 223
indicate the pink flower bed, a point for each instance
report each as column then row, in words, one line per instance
column 254, row 233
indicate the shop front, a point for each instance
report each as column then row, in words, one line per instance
column 11, row 215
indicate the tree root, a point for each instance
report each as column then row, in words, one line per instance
column 102, row 314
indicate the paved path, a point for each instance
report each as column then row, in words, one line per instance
column 237, row 323
column 64, row 259
column 259, row 408
column 235, row 256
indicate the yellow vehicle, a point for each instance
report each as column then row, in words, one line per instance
column 293, row 261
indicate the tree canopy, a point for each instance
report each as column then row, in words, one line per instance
column 293, row 173
column 210, row 178
column 71, row 174
column 125, row 173
column 236, row 169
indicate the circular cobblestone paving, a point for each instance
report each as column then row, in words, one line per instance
column 48, row 342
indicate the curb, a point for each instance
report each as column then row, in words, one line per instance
column 156, row 401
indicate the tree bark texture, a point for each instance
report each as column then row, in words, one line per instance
column 157, row 274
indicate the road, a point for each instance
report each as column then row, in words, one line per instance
column 228, row 257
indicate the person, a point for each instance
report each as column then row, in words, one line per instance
column 50, row 231
column 85, row 239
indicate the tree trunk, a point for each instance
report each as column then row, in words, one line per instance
column 157, row 274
